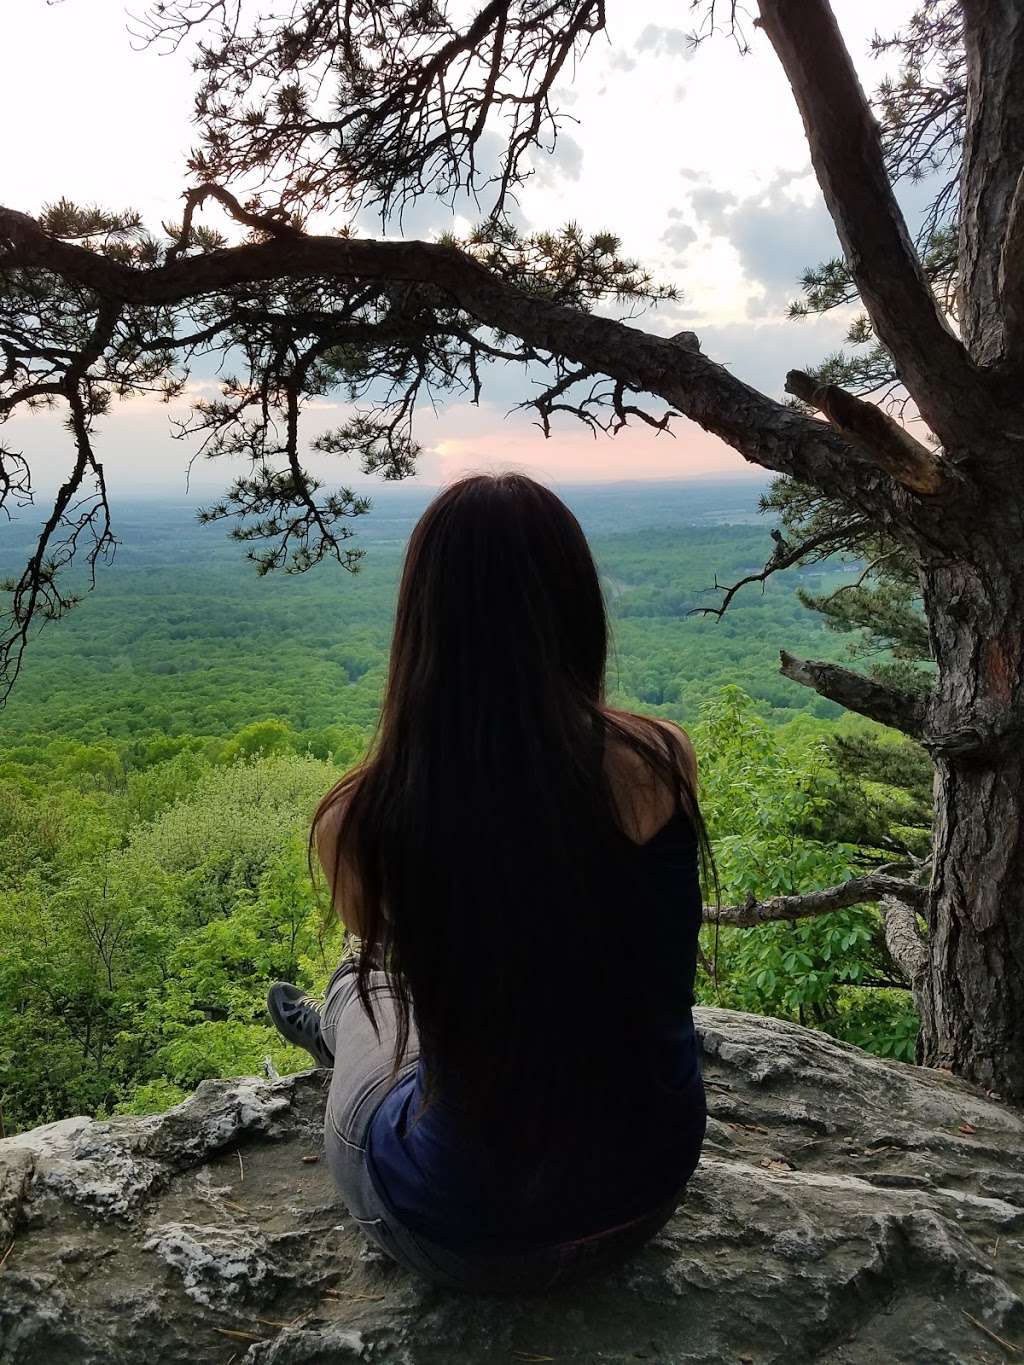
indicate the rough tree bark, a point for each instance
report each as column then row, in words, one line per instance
column 973, row 1019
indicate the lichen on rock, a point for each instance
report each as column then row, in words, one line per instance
column 847, row 1209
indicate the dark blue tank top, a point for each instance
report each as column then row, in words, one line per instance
column 647, row 1144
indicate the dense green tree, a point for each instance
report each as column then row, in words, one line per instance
column 139, row 931
column 141, row 921
column 138, row 946
column 880, row 787
column 771, row 819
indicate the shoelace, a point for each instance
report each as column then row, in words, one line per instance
column 298, row 1012
column 303, row 1015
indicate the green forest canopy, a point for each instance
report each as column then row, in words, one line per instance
column 159, row 766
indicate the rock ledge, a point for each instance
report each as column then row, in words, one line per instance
column 846, row 1210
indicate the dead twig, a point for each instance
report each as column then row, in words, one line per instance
column 1007, row 1345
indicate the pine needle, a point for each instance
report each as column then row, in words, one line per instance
column 1009, row 1346
column 344, row 1298
column 3, row 1258
column 240, row 1336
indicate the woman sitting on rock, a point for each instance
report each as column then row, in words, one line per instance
column 516, row 1098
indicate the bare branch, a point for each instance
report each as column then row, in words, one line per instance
column 977, row 735
column 38, row 593
column 856, row 891
column 914, row 465
column 785, row 556
column 823, row 603
column 903, row 939
column 857, row 693
column 275, row 223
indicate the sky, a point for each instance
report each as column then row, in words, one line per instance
column 696, row 159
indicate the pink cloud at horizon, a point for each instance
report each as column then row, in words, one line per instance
column 134, row 444
column 473, row 440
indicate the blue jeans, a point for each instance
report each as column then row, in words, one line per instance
column 360, row 1082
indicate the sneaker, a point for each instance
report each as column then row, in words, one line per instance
column 296, row 1016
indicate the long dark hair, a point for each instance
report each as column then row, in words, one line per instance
column 480, row 824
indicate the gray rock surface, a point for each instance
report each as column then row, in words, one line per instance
column 846, row 1210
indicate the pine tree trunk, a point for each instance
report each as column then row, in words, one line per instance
column 974, row 1020
column 973, row 1017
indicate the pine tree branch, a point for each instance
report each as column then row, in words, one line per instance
column 416, row 91
column 784, row 556
column 857, row 891
column 903, row 939
column 908, row 461
column 978, row 734
column 823, row 603
column 908, row 948
column 846, row 152
column 276, row 224
column 765, row 432
column 857, row 693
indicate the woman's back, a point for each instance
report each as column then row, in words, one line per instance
column 629, row 1127
column 523, row 859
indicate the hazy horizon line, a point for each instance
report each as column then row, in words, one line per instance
column 391, row 487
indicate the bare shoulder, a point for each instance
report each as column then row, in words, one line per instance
column 328, row 826
column 339, row 875
column 669, row 730
column 644, row 798
column 680, row 740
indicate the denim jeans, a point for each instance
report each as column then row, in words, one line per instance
column 359, row 1083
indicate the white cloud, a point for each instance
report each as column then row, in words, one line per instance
column 665, row 42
